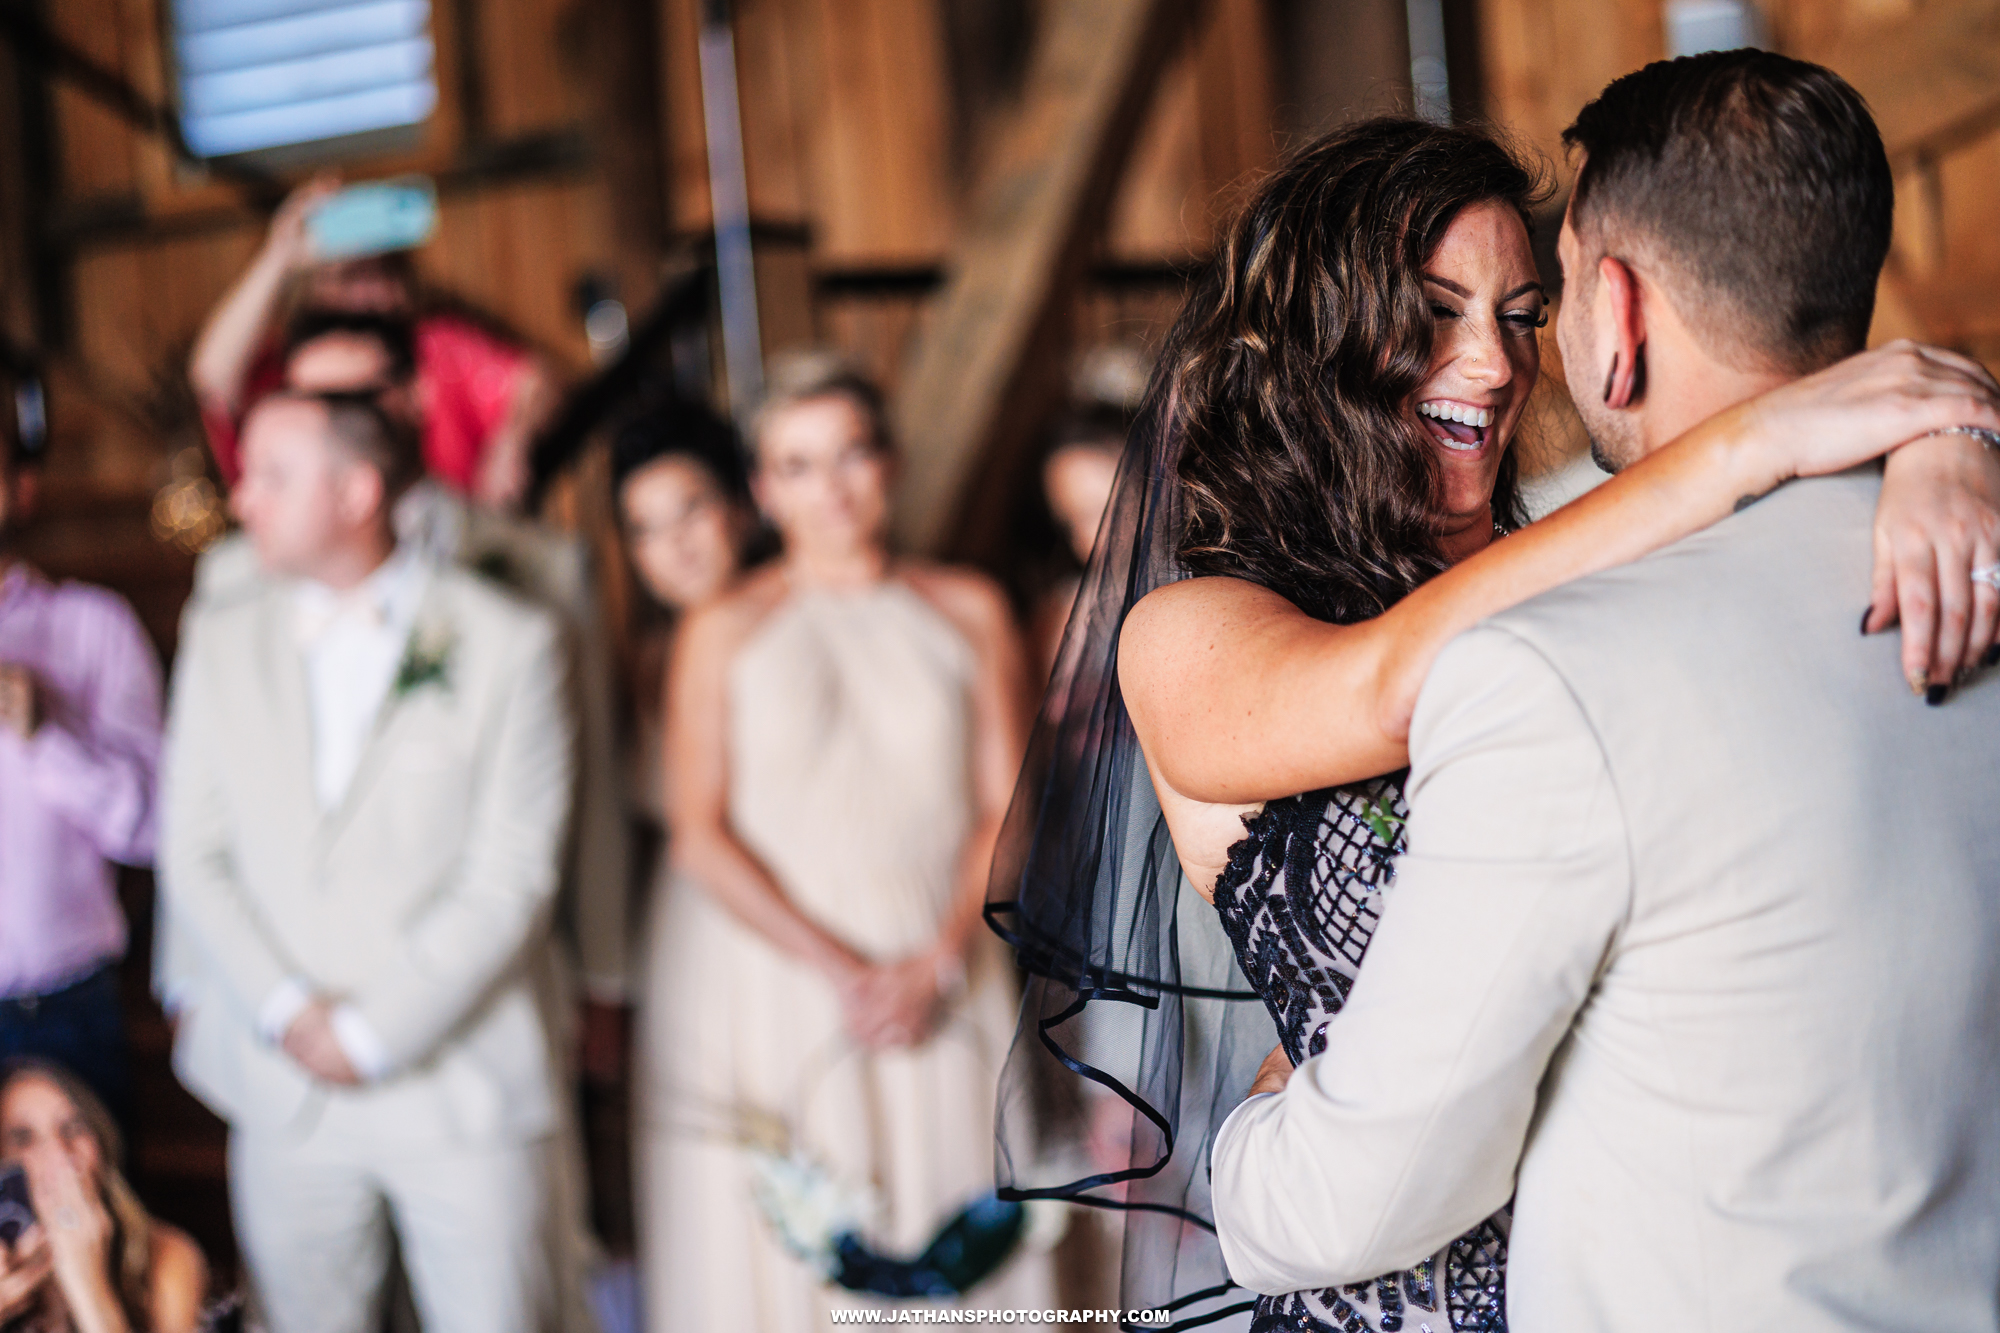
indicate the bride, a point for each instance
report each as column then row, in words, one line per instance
column 1314, row 505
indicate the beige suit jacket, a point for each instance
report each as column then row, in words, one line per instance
column 594, row 913
column 1696, row 953
column 423, row 899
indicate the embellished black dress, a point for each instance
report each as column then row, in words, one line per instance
column 1299, row 900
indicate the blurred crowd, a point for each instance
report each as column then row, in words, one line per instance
column 437, row 840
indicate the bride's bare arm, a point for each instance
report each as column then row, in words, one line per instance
column 1239, row 697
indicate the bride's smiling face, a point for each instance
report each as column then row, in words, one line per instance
column 1487, row 303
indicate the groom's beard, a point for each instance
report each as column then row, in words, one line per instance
column 1613, row 442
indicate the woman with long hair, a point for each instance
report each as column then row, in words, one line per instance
column 1313, row 505
column 92, row 1261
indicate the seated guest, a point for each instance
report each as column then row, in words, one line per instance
column 484, row 394
column 79, row 741
column 92, row 1261
column 367, row 777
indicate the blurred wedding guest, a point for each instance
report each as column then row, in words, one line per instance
column 366, row 782
column 92, row 1261
column 356, row 352
column 79, row 743
column 843, row 730
column 1076, row 482
column 483, row 396
column 683, row 503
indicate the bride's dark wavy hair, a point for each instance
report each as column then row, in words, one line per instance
column 1289, row 373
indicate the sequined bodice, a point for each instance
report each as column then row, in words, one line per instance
column 1299, row 900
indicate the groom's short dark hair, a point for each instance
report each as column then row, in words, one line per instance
column 1764, row 176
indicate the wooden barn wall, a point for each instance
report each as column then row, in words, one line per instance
column 848, row 126
column 1542, row 59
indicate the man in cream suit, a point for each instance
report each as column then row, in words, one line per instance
column 368, row 775
column 1696, row 949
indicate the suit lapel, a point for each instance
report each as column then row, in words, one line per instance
column 291, row 709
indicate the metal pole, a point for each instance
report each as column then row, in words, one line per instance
column 729, row 198
column 1429, row 81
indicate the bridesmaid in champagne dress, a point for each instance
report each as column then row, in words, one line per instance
column 843, row 732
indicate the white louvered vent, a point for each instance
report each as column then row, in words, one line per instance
column 257, row 75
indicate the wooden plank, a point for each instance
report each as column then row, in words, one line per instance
column 880, row 136
column 1933, row 78
column 95, row 146
column 529, row 50
column 971, row 382
column 1543, row 59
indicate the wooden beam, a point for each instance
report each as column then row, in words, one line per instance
column 1024, row 247
column 1933, row 79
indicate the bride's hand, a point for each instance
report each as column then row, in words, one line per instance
column 1939, row 516
column 1864, row 406
column 1938, row 520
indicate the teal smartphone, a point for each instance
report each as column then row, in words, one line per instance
column 374, row 218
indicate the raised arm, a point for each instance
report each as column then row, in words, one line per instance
column 223, row 353
column 1238, row 697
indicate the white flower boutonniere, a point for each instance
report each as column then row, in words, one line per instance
column 427, row 660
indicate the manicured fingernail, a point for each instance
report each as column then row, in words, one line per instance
column 1934, row 695
column 1864, row 619
column 1992, row 657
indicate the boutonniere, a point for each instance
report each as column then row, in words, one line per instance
column 426, row 660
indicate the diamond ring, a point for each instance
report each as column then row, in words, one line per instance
column 1988, row 575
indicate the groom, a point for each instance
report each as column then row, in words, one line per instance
column 1696, row 951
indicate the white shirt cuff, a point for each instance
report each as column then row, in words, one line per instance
column 287, row 1000
column 358, row 1042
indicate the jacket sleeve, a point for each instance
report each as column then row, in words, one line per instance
column 1407, row 1130
column 440, row 967
column 200, row 891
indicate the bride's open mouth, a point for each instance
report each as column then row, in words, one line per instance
column 1458, row 426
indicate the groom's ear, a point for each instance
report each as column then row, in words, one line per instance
column 1621, row 315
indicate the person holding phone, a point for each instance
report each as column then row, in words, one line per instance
column 483, row 396
column 91, row 1260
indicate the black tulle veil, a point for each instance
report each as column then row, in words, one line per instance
column 1136, row 1020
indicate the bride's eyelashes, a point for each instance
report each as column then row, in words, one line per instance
column 1520, row 323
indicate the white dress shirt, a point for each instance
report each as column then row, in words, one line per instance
column 353, row 642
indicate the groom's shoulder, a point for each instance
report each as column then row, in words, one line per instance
column 491, row 617
column 1795, row 562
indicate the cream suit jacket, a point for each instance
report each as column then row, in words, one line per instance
column 1695, row 953
column 594, row 912
column 423, row 899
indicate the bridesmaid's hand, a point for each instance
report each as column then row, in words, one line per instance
column 1274, row 1073
column 896, row 1004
